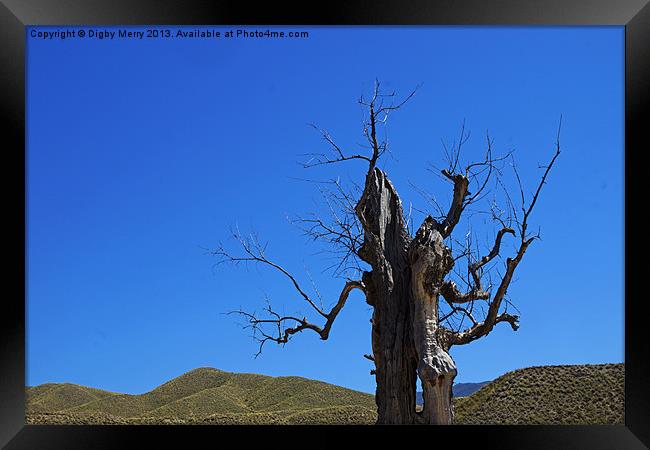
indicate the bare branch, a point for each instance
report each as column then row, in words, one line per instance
column 450, row 292
column 476, row 267
column 541, row 183
column 378, row 116
column 462, row 197
column 493, row 317
column 317, row 159
column 341, row 231
column 282, row 333
column 254, row 252
column 461, row 184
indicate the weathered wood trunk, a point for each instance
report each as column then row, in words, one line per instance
column 402, row 289
column 406, row 281
column 430, row 261
column 395, row 360
column 385, row 248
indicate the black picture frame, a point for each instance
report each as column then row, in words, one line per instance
column 634, row 15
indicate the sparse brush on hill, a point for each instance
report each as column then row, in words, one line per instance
column 202, row 395
column 53, row 397
column 577, row 394
column 585, row 394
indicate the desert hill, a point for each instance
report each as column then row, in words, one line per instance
column 576, row 394
column 203, row 395
column 579, row 394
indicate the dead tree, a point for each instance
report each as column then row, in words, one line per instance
column 418, row 308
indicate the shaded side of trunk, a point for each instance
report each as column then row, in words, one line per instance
column 385, row 248
column 395, row 363
column 430, row 261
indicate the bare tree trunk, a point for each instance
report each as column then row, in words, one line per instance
column 385, row 248
column 394, row 358
column 430, row 261
column 407, row 276
column 403, row 288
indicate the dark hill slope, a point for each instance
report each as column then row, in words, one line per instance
column 458, row 390
column 467, row 389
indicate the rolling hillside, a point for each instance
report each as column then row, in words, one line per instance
column 581, row 394
column 52, row 397
column 204, row 395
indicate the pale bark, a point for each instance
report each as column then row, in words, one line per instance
column 430, row 261
column 403, row 288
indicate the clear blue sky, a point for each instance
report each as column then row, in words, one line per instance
column 140, row 152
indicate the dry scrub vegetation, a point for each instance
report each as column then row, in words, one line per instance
column 581, row 394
